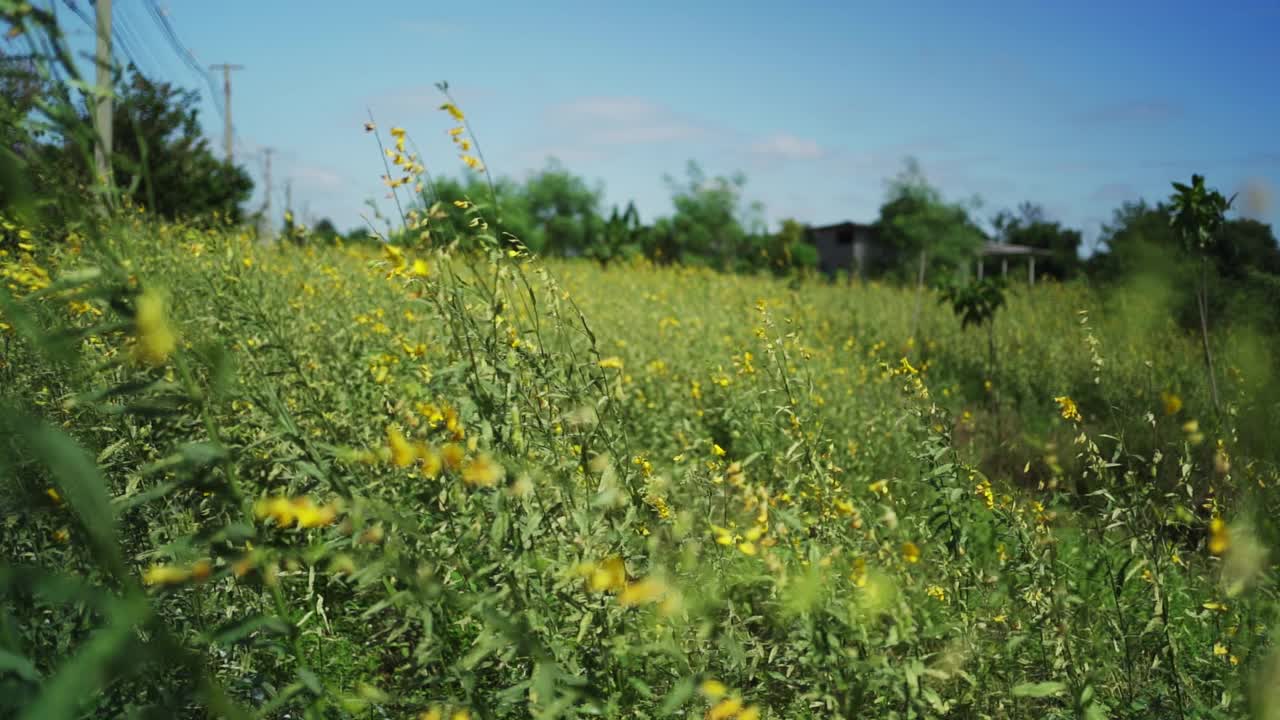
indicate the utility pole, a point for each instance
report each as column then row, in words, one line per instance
column 102, row 108
column 288, row 196
column 226, row 89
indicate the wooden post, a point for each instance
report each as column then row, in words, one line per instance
column 102, row 105
column 227, row 131
column 979, row 267
column 1004, row 267
column 1031, row 272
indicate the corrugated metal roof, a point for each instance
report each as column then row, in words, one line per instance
column 993, row 248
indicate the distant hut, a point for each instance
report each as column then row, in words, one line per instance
column 848, row 246
column 856, row 248
column 1004, row 251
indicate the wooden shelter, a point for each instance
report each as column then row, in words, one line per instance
column 1004, row 251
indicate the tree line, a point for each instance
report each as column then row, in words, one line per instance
column 162, row 161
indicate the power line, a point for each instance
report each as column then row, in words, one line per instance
column 130, row 38
column 117, row 37
column 188, row 58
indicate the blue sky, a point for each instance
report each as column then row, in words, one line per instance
column 1077, row 106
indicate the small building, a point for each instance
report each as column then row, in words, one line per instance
column 1004, row 251
column 849, row 246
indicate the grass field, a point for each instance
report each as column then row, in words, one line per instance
column 344, row 482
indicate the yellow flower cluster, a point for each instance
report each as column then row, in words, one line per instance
column 481, row 470
column 406, row 162
column 155, row 340
column 1068, row 408
column 726, row 705
column 165, row 575
column 458, row 135
column 610, row 576
column 300, row 511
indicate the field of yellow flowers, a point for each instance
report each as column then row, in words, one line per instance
column 335, row 482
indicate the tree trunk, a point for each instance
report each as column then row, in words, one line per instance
column 1202, row 299
column 915, row 317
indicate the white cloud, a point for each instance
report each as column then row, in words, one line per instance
column 621, row 121
column 784, row 146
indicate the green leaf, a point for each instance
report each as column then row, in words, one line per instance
column 676, row 697
column 1040, row 689
column 83, row 486
column 309, row 679
column 18, row 665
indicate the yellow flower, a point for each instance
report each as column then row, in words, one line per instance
column 910, row 552
column 402, row 453
column 643, row 592
column 421, row 268
column 431, row 461
column 713, row 689
column 483, row 471
column 453, row 111
column 1172, row 403
column 397, row 132
column 165, row 575
column 1069, row 409
column 611, row 363
column 725, row 709
column 300, row 510
column 717, row 450
column 1221, row 460
column 1219, row 539
column 54, row 496
column 609, row 575
column 464, row 204
column 473, row 162
column 452, row 455
column 156, row 340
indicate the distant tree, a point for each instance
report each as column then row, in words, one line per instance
column 621, row 236
column 161, row 155
column 325, row 231
column 1243, row 245
column 563, row 211
column 710, row 223
column 1031, row 227
column 1140, row 238
column 928, row 235
column 925, row 232
column 788, row 249
column 27, row 177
